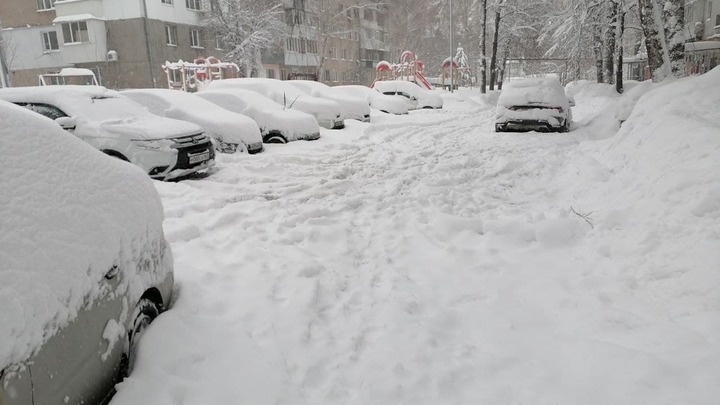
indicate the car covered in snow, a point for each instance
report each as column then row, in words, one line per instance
column 327, row 113
column 277, row 125
column 230, row 130
column 353, row 108
column 165, row 148
column 84, row 264
column 377, row 100
column 414, row 96
column 533, row 104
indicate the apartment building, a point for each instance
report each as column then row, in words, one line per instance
column 125, row 42
column 333, row 41
column 702, row 18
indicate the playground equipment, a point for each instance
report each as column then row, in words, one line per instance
column 188, row 76
column 460, row 70
column 409, row 68
column 69, row 76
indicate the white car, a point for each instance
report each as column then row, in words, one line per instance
column 277, row 125
column 84, row 264
column 533, row 104
column 377, row 100
column 353, row 108
column 230, row 130
column 415, row 96
column 327, row 113
column 165, row 148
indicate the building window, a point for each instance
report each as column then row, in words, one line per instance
column 171, row 35
column 169, row 2
column 283, row 74
column 192, row 4
column 196, row 38
column 45, row 4
column 270, row 73
column 50, row 41
column 344, row 54
column 219, row 42
column 75, row 32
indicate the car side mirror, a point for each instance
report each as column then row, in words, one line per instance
column 571, row 101
column 66, row 123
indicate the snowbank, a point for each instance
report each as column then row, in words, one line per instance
column 68, row 213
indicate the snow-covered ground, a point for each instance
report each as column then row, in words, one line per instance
column 425, row 259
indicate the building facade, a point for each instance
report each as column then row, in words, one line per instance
column 125, row 42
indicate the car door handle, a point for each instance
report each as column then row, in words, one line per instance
column 114, row 270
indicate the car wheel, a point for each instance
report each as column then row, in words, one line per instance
column 275, row 139
column 145, row 312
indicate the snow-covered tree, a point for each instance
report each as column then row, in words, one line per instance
column 674, row 20
column 653, row 42
column 246, row 28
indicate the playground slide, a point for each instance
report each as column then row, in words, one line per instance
column 422, row 81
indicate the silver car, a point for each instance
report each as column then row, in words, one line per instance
column 84, row 264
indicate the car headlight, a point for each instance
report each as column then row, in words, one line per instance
column 155, row 144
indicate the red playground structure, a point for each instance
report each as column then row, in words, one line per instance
column 409, row 68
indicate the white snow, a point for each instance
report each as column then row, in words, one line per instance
column 68, row 214
column 269, row 115
column 356, row 108
column 376, row 99
column 326, row 112
column 225, row 126
column 425, row 259
column 425, row 98
column 431, row 261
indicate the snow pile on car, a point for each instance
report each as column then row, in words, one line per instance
column 269, row 115
column 68, row 214
column 221, row 124
column 545, row 92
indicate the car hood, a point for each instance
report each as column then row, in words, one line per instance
column 150, row 127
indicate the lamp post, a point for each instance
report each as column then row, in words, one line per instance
column 452, row 76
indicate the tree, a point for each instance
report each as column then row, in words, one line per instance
column 246, row 28
column 674, row 19
column 653, row 44
column 7, row 54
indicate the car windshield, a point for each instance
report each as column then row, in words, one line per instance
column 110, row 108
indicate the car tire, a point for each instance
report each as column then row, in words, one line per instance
column 145, row 312
column 274, row 139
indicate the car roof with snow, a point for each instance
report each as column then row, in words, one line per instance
column 217, row 121
column 73, row 100
column 542, row 91
column 72, row 215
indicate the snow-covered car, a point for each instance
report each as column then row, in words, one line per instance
column 84, row 264
column 415, row 96
column 533, row 104
column 353, row 107
column 230, row 130
column 277, row 125
column 165, row 148
column 327, row 113
column 377, row 100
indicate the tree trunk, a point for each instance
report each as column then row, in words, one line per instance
column 674, row 17
column 483, row 49
column 598, row 51
column 493, row 60
column 653, row 44
column 610, row 40
column 619, row 71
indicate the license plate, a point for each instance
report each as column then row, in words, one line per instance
column 200, row 157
